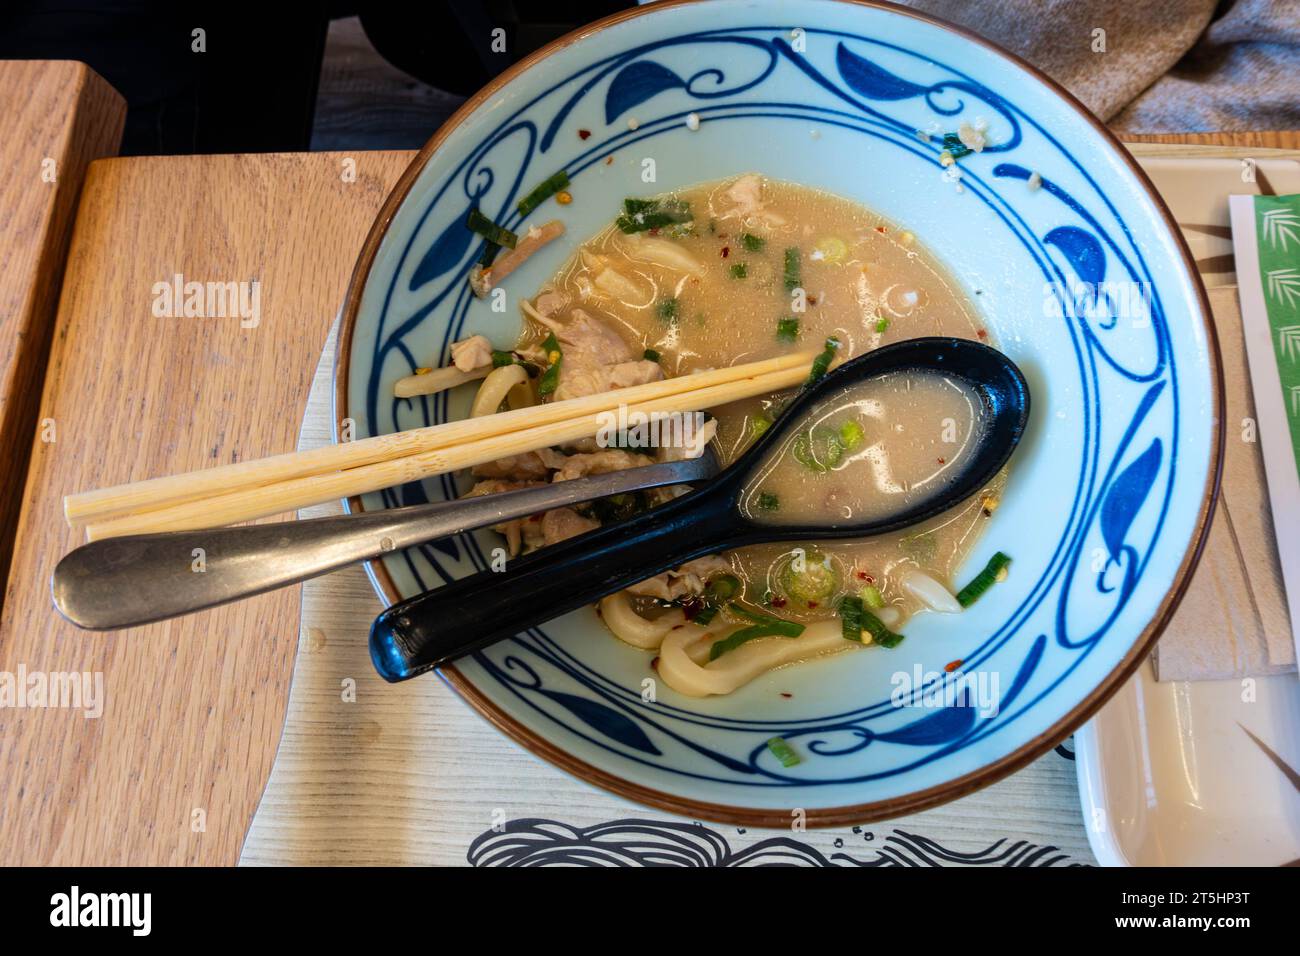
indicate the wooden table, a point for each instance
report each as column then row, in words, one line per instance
column 173, row 771
column 58, row 117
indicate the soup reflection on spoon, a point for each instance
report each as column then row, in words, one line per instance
column 871, row 451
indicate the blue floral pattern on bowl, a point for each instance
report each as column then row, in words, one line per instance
column 1105, row 500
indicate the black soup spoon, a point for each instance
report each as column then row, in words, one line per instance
column 434, row 628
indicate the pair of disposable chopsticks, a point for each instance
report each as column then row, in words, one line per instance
column 245, row 490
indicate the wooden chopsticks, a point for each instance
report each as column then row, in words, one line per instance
column 253, row 489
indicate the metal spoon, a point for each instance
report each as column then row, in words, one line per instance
column 438, row 626
column 138, row 579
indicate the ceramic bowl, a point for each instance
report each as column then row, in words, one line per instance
column 1109, row 495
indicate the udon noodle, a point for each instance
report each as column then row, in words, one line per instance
column 732, row 272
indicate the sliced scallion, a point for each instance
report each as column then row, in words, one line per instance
column 879, row 633
column 544, row 191
column 955, row 147
column 551, row 377
column 984, row 580
column 489, row 230
column 640, row 215
column 747, row 634
column 792, row 270
column 851, row 435
column 822, row 362
column 783, row 752
column 851, row 612
column 787, row 329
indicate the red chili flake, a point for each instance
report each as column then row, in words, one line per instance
column 881, row 229
column 609, row 159
column 654, row 231
column 949, row 667
column 726, row 251
column 811, row 605
column 812, row 300
column 692, row 607
column 982, row 334
column 862, row 576
column 583, row 133
column 778, row 602
column 786, row 696
column 941, row 461
column 654, row 664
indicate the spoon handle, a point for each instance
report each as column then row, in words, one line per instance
column 436, row 627
column 138, row 579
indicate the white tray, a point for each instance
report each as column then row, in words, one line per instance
column 1201, row 773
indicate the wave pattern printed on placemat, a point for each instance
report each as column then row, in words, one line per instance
column 536, row 842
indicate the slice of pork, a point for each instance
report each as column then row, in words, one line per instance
column 686, row 581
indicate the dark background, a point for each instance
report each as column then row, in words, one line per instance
column 254, row 89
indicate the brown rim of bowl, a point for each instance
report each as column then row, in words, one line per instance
column 831, row 816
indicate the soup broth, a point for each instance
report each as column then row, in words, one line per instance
column 872, row 451
column 733, row 272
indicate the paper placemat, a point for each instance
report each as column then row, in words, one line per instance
column 376, row 773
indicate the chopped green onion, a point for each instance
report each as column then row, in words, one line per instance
column 501, row 358
column 705, row 615
column 758, row 424
column 882, row 326
column 783, row 752
column 490, row 250
column 651, row 355
column 718, row 591
column 851, row 611
column 788, row 630
column 640, row 215
column 819, row 450
column 851, row 435
column 871, row 596
column 792, row 279
column 766, row 626
column 787, row 329
column 489, row 230
column 803, row 454
column 739, row 270
column 668, row 309
column 769, row 502
column 551, row 377
column 722, row 588
column 777, row 624
column 984, row 580
column 814, row 584
column 955, row 147
column 879, row 633
column 752, row 243
column 822, row 362
column 548, row 188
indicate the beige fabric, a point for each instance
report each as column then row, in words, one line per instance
column 1233, row 620
column 1157, row 65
